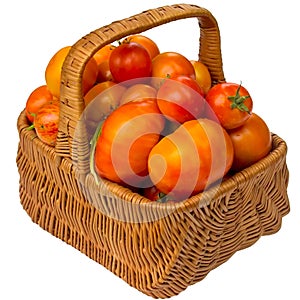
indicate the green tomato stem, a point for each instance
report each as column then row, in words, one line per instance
column 30, row 127
column 238, row 101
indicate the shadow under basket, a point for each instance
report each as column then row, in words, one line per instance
column 158, row 248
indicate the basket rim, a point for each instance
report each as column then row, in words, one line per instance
column 279, row 149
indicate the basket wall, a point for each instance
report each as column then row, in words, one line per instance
column 163, row 257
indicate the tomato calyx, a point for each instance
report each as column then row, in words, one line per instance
column 31, row 127
column 238, row 101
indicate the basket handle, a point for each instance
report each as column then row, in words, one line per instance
column 72, row 103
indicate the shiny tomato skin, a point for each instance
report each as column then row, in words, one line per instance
column 170, row 64
column 104, row 73
column 144, row 41
column 46, row 123
column 102, row 59
column 103, row 53
column 127, row 137
column 38, row 97
column 203, row 76
column 251, row 142
column 230, row 117
column 194, row 156
column 130, row 61
column 181, row 99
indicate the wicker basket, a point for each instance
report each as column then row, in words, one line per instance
column 182, row 242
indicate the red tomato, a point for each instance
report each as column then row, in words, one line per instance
column 181, row 99
column 144, row 41
column 197, row 154
column 46, row 123
column 127, row 137
column 152, row 193
column 138, row 92
column 36, row 100
column 169, row 65
column 231, row 103
column 251, row 142
column 129, row 61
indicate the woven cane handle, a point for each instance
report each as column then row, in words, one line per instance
column 72, row 104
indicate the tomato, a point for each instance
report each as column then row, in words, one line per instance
column 126, row 139
column 202, row 75
column 138, row 91
column 104, row 73
column 102, row 59
column 103, row 53
column 144, row 41
column 89, row 76
column 96, row 90
column 197, row 154
column 129, row 61
column 181, row 99
column 170, row 64
column 231, row 103
column 251, row 142
column 210, row 114
column 40, row 96
column 54, row 67
column 46, row 123
column 152, row 193
column 100, row 101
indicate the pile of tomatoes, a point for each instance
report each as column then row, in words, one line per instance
column 158, row 125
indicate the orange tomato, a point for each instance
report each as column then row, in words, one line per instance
column 103, row 53
column 89, row 76
column 146, row 42
column 251, row 142
column 202, row 75
column 195, row 155
column 96, row 90
column 102, row 58
column 168, row 65
column 104, row 73
column 54, row 68
column 40, row 96
column 128, row 135
column 138, row 91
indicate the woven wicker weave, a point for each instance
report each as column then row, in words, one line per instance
column 184, row 241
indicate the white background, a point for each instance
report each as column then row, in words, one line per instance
column 260, row 47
